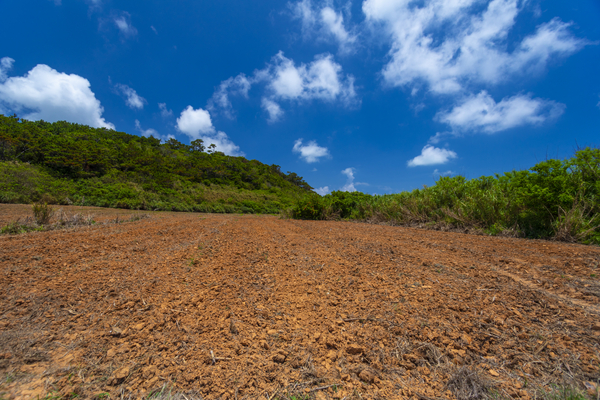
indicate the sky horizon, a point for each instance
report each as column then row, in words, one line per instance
column 379, row 96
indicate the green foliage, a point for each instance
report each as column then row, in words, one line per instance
column 66, row 163
column 564, row 393
column 42, row 213
column 554, row 199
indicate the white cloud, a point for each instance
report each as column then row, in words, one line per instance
column 164, row 111
column 151, row 132
column 431, row 156
column 435, row 139
column 123, row 23
column 153, row 29
column 146, row 132
column 195, row 122
column 324, row 23
column 198, row 125
column 132, row 99
column 322, row 191
column 436, row 172
column 321, row 79
column 223, row 143
column 240, row 85
column 453, row 44
column 273, row 109
column 349, row 186
column 482, row 113
column 6, row 64
column 310, row 152
column 44, row 93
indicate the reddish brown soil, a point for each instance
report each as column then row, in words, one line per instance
column 230, row 306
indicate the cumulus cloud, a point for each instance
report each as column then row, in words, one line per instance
column 123, row 23
column 6, row 64
column 44, row 93
column 197, row 124
column 451, row 44
column 132, row 99
column 273, row 109
column 349, row 186
column 164, row 111
column 321, row 79
column 240, row 85
column 322, row 190
column 283, row 80
column 431, row 155
column 310, row 152
column 223, row 143
column 481, row 113
column 324, row 23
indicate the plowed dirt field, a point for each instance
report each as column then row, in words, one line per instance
column 256, row 307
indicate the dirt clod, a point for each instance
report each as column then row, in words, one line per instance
column 121, row 373
column 366, row 376
column 354, row 349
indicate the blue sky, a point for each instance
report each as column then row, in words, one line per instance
column 374, row 95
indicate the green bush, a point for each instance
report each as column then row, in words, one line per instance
column 42, row 213
column 554, row 199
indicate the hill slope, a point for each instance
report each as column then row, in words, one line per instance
column 65, row 163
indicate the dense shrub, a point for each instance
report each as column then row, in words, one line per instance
column 553, row 199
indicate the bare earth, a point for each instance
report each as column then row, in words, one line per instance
column 234, row 307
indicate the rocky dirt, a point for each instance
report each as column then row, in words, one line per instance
column 256, row 307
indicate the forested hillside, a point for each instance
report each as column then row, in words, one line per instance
column 66, row 163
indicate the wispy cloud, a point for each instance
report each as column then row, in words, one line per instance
column 349, row 186
column 234, row 86
column 123, row 22
column 438, row 173
column 481, row 113
column 323, row 22
column 132, row 99
column 164, row 111
column 310, row 152
column 273, row 109
column 6, row 64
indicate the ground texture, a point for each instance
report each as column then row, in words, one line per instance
column 234, row 307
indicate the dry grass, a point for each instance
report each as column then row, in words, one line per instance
column 45, row 218
column 468, row 384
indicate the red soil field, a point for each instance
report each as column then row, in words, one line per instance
column 257, row 307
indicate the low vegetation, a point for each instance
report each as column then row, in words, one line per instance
column 47, row 218
column 557, row 199
column 66, row 163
